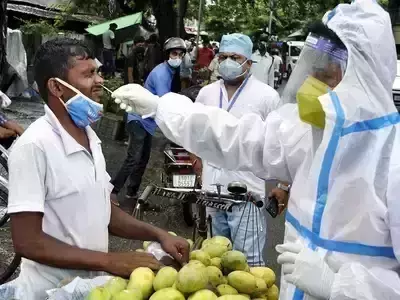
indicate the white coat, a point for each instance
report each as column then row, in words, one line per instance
column 346, row 179
column 263, row 68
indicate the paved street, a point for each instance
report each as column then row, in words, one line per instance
column 170, row 216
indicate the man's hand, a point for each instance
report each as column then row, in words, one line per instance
column 14, row 126
column 282, row 197
column 6, row 133
column 123, row 263
column 176, row 246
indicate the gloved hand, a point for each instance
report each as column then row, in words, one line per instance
column 306, row 270
column 142, row 101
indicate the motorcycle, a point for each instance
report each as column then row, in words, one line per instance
column 179, row 173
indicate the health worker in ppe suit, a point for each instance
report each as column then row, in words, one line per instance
column 339, row 146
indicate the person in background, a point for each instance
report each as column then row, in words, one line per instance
column 162, row 79
column 109, row 50
column 215, row 48
column 214, row 69
column 277, row 66
column 239, row 93
column 153, row 56
column 205, row 55
column 186, row 68
column 59, row 201
column 263, row 65
column 135, row 63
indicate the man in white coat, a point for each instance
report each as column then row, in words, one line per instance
column 339, row 145
column 263, row 65
column 239, row 93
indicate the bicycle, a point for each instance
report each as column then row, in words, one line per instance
column 9, row 263
column 237, row 195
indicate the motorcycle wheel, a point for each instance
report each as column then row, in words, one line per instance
column 188, row 213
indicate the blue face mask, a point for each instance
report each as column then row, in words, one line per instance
column 230, row 69
column 82, row 110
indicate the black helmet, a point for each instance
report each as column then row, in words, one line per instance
column 175, row 43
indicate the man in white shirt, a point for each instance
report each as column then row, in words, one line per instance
column 59, row 201
column 277, row 66
column 213, row 68
column 239, row 93
column 109, row 50
column 263, row 65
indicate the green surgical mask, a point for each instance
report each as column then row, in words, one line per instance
column 310, row 109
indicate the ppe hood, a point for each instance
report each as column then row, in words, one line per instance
column 366, row 89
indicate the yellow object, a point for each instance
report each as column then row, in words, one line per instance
column 234, row 261
column 96, row 294
column 167, row 294
column 261, row 288
column 196, row 263
column 142, row 279
column 172, row 233
column 201, row 256
column 242, row 281
column 203, row 295
column 165, row 278
column 191, row 278
column 190, row 243
column 115, row 285
column 245, row 295
column 215, row 276
column 139, row 250
column 128, row 295
column 146, row 244
column 273, row 293
column 226, row 289
column 310, row 109
column 216, row 262
column 232, row 297
column 265, row 273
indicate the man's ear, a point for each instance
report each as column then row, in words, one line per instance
column 54, row 88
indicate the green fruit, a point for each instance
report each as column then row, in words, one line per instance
column 261, row 288
column 216, row 262
column 146, row 245
column 142, row 279
column 96, row 294
column 232, row 297
column 205, row 242
column 129, row 295
column 191, row 278
column 172, row 233
column 215, row 276
column 242, row 281
column 196, row 263
column 214, row 250
column 265, row 273
column 245, row 295
column 174, row 285
column 115, row 285
column 273, row 293
column 201, row 256
column 165, row 278
column 203, row 295
column 167, row 294
column 234, row 261
column 225, row 289
column 221, row 240
column 140, row 250
column 224, row 280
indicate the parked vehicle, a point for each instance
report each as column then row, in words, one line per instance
column 396, row 88
column 292, row 55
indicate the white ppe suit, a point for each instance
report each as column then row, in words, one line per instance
column 346, row 179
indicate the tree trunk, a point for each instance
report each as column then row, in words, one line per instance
column 3, row 38
column 166, row 16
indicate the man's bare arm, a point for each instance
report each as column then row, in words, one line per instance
column 31, row 242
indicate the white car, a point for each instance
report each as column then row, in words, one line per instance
column 396, row 87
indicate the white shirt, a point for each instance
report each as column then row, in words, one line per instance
column 214, row 68
column 262, row 68
column 107, row 37
column 53, row 174
column 277, row 62
column 256, row 97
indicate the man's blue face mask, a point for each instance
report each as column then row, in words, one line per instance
column 82, row 110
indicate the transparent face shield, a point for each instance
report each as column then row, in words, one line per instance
column 320, row 59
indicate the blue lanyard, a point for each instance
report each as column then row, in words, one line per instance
column 233, row 100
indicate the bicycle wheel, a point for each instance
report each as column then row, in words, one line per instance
column 7, row 271
column 4, row 217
